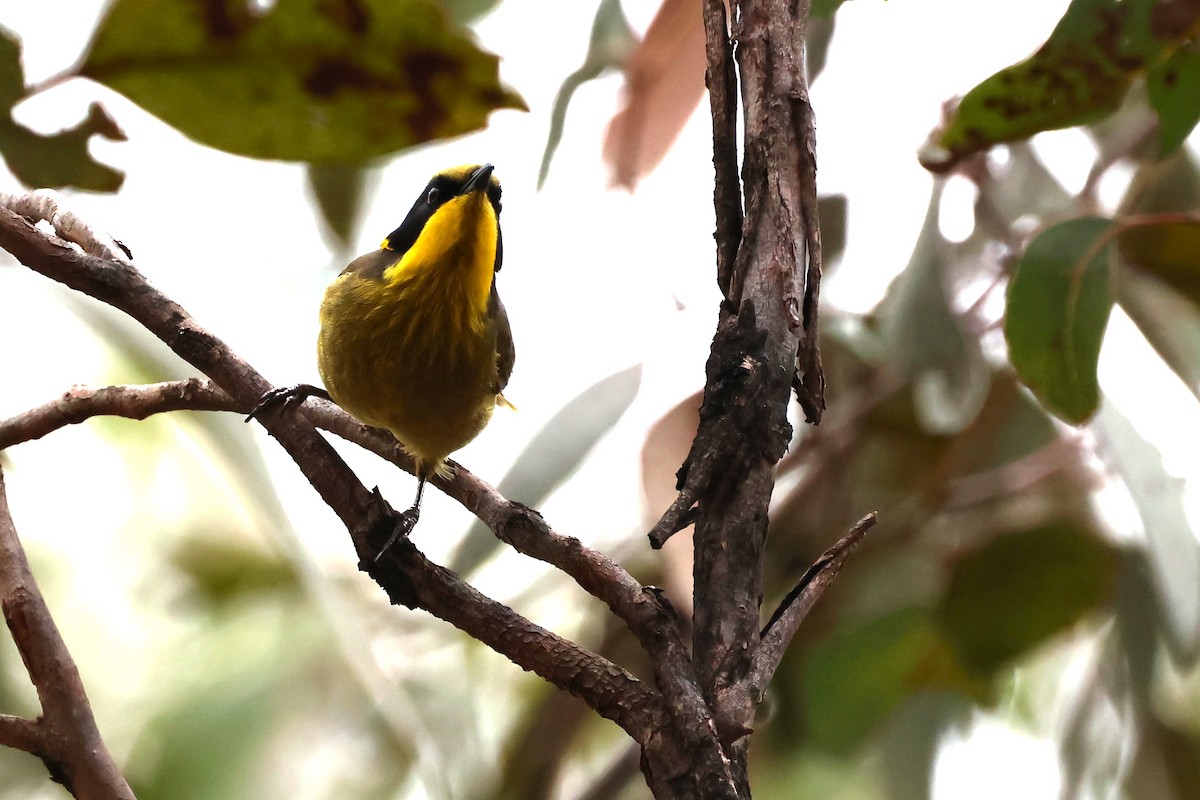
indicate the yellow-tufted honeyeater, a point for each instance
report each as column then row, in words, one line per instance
column 414, row 337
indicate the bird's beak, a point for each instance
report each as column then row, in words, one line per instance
column 479, row 180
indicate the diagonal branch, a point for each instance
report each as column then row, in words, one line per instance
column 645, row 610
column 406, row 575
column 65, row 737
column 747, row 690
column 786, row 620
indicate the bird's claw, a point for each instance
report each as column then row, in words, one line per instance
column 404, row 522
column 289, row 397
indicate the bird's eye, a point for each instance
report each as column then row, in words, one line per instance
column 432, row 197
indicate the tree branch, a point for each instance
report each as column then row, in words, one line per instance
column 778, row 633
column 20, row 734
column 81, row 403
column 645, row 611
column 65, row 737
column 721, row 79
column 765, row 344
column 404, row 573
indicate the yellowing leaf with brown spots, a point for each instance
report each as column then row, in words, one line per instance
column 306, row 80
column 1078, row 76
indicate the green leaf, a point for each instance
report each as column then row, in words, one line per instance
column 825, row 8
column 12, row 75
column 609, row 47
column 816, row 45
column 1014, row 592
column 832, row 211
column 1174, row 554
column 949, row 376
column 61, row 159
column 306, row 80
column 224, row 570
column 1170, row 324
column 1078, row 76
column 1173, row 88
column 207, row 745
column 554, row 454
column 1179, row 751
column 57, row 160
column 857, row 677
column 464, row 12
column 1058, row 306
column 1024, row 186
column 338, row 190
column 1170, row 251
column 1170, row 185
column 912, row 740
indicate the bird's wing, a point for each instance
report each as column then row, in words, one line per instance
column 506, row 354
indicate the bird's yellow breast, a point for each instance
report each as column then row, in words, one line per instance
column 388, row 359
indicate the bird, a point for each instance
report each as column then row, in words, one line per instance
column 413, row 336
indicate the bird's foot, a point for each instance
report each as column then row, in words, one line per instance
column 402, row 524
column 289, row 397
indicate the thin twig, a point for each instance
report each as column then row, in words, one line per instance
column 786, row 620
column 81, row 403
column 67, row 739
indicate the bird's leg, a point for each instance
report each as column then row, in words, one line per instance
column 289, row 396
column 405, row 521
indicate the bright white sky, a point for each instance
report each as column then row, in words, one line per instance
column 593, row 279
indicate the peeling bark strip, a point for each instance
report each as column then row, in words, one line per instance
column 779, row 174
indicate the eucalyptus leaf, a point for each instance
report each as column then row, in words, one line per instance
column 1170, row 323
column 465, row 12
column 1078, row 76
column 611, row 42
column 339, row 190
column 1058, row 307
column 1174, row 553
column 1169, row 185
column 1010, row 594
column 12, row 74
column 553, row 454
column 303, row 80
column 832, row 210
column 949, row 376
column 825, row 8
column 61, row 160
column 859, row 676
column 1173, row 88
column 1025, row 186
column 1170, row 251
column 56, row 160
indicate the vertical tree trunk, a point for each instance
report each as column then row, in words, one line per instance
column 765, row 344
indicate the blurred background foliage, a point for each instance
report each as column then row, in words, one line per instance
column 1035, row 570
